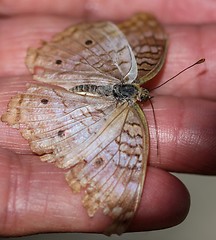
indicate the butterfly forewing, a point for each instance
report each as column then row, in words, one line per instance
column 114, row 167
column 148, row 41
column 95, row 53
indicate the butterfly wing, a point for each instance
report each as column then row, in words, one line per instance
column 54, row 121
column 106, row 147
column 114, row 167
column 148, row 41
column 87, row 53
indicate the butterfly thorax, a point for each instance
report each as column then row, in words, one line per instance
column 130, row 93
column 120, row 92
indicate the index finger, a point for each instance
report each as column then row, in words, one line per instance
column 184, row 11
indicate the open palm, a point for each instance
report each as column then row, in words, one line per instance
column 34, row 195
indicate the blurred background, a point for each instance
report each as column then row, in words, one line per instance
column 200, row 223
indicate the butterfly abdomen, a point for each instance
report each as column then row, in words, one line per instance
column 84, row 88
column 91, row 89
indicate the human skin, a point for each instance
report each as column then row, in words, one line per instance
column 35, row 197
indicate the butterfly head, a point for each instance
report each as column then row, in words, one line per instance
column 143, row 95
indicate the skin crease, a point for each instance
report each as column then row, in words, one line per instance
column 34, row 195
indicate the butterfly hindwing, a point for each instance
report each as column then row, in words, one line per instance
column 87, row 53
column 54, row 121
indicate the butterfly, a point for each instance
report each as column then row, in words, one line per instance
column 85, row 116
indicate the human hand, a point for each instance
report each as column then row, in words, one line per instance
column 34, row 195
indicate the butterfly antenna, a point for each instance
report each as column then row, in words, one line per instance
column 156, row 127
column 198, row 62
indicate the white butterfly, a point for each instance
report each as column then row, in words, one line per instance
column 86, row 118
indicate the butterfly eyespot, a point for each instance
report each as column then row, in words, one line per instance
column 44, row 101
column 88, row 42
column 61, row 133
column 58, row 61
column 99, row 162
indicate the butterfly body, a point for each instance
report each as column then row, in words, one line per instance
column 120, row 92
column 74, row 121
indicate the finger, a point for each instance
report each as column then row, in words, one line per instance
column 186, row 45
column 36, row 198
column 184, row 128
column 181, row 11
column 182, row 134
